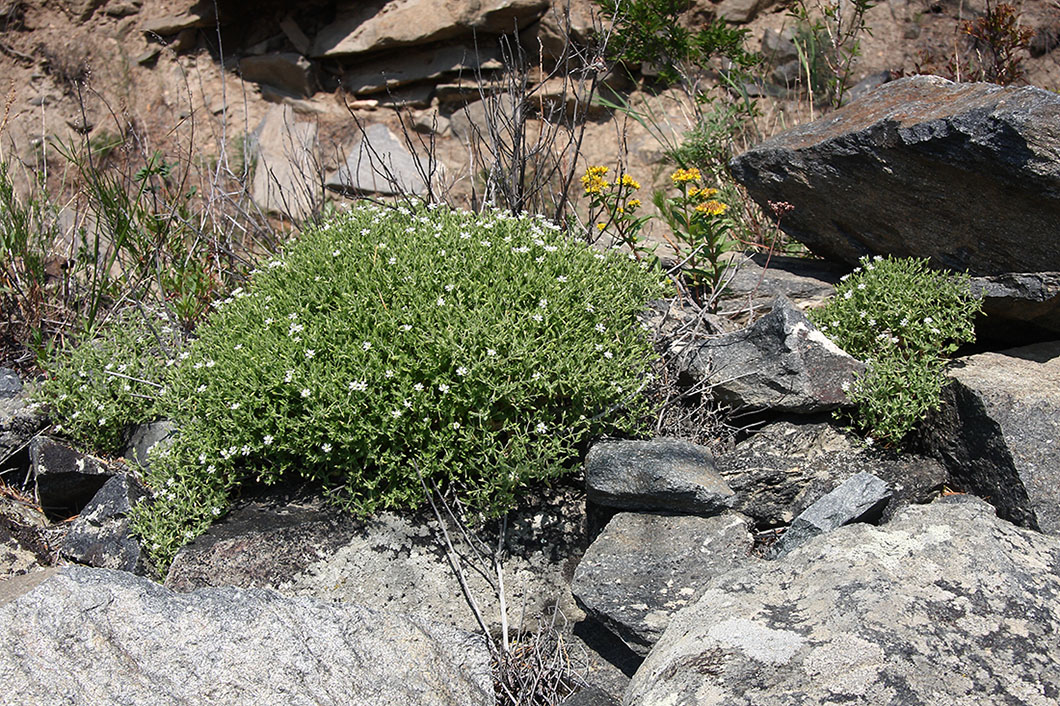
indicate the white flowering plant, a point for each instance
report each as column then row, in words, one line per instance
column 904, row 320
column 112, row 381
column 477, row 352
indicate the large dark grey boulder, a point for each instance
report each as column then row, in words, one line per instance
column 644, row 568
column 666, row 475
column 965, row 174
column 860, row 498
column 785, row 467
column 101, row 535
column 1018, row 305
column 997, row 432
column 782, row 362
column 95, row 636
column 946, row 604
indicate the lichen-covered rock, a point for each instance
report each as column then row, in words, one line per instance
column 666, row 475
column 946, row 604
column 95, row 636
column 965, row 174
column 644, row 568
column 101, row 535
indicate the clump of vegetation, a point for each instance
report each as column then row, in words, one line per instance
column 904, row 320
column 1000, row 43
column 111, row 381
column 828, row 40
column 695, row 216
column 390, row 349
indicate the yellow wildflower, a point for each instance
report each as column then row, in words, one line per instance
column 601, row 226
column 629, row 181
column 633, row 204
column 712, row 208
column 682, row 176
column 594, row 181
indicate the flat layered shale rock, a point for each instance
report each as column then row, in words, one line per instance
column 945, row 604
column 860, row 498
column 966, row 174
column 95, row 636
column 785, row 467
column 997, row 432
column 667, row 475
column 644, row 568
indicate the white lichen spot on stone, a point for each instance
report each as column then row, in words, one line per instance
column 846, row 664
column 757, row 641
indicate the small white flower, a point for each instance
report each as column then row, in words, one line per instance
column 367, row 345
column 872, row 322
column 395, row 413
column 418, row 387
column 268, row 322
column 210, row 364
column 485, row 243
column 600, row 328
column 238, row 347
column 407, row 403
column 365, row 231
column 234, row 405
column 389, row 373
column 443, row 388
column 845, row 386
column 461, row 371
column 391, row 261
column 267, row 440
column 309, row 353
column 543, row 303
column 305, row 392
column 325, row 447
column 202, row 458
column 293, row 315
column 928, row 319
column 211, row 469
column 869, row 441
column 490, row 352
column 189, row 535
column 440, row 302
column 358, row 386
column 608, row 355
column 216, row 511
column 449, row 287
column 540, row 428
column 406, row 327
column 535, row 376
column 184, row 355
column 288, row 376
column 102, row 421
column 861, row 285
column 336, row 252
column 848, row 294
column 198, row 366
column 561, row 278
column 590, row 308
column 456, row 425
column 245, row 450
column 537, row 317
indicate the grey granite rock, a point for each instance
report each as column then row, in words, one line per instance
column 860, row 498
column 782, row 362
column 998, row 429
column 946, row 604
column 965, row 174
column 668, row 475
column 96, row 636
column 10, row 383
column 146, row 437
column 644, row 568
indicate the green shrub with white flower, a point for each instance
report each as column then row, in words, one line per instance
column 111, row 381
column 904, row 320
column 479, row 353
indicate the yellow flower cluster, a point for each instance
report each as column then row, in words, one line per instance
column 594, row 181
column 629, row 181
column 704, row 193
column 682, row 176
column 712, row 208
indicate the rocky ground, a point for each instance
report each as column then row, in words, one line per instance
column 788, row 562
